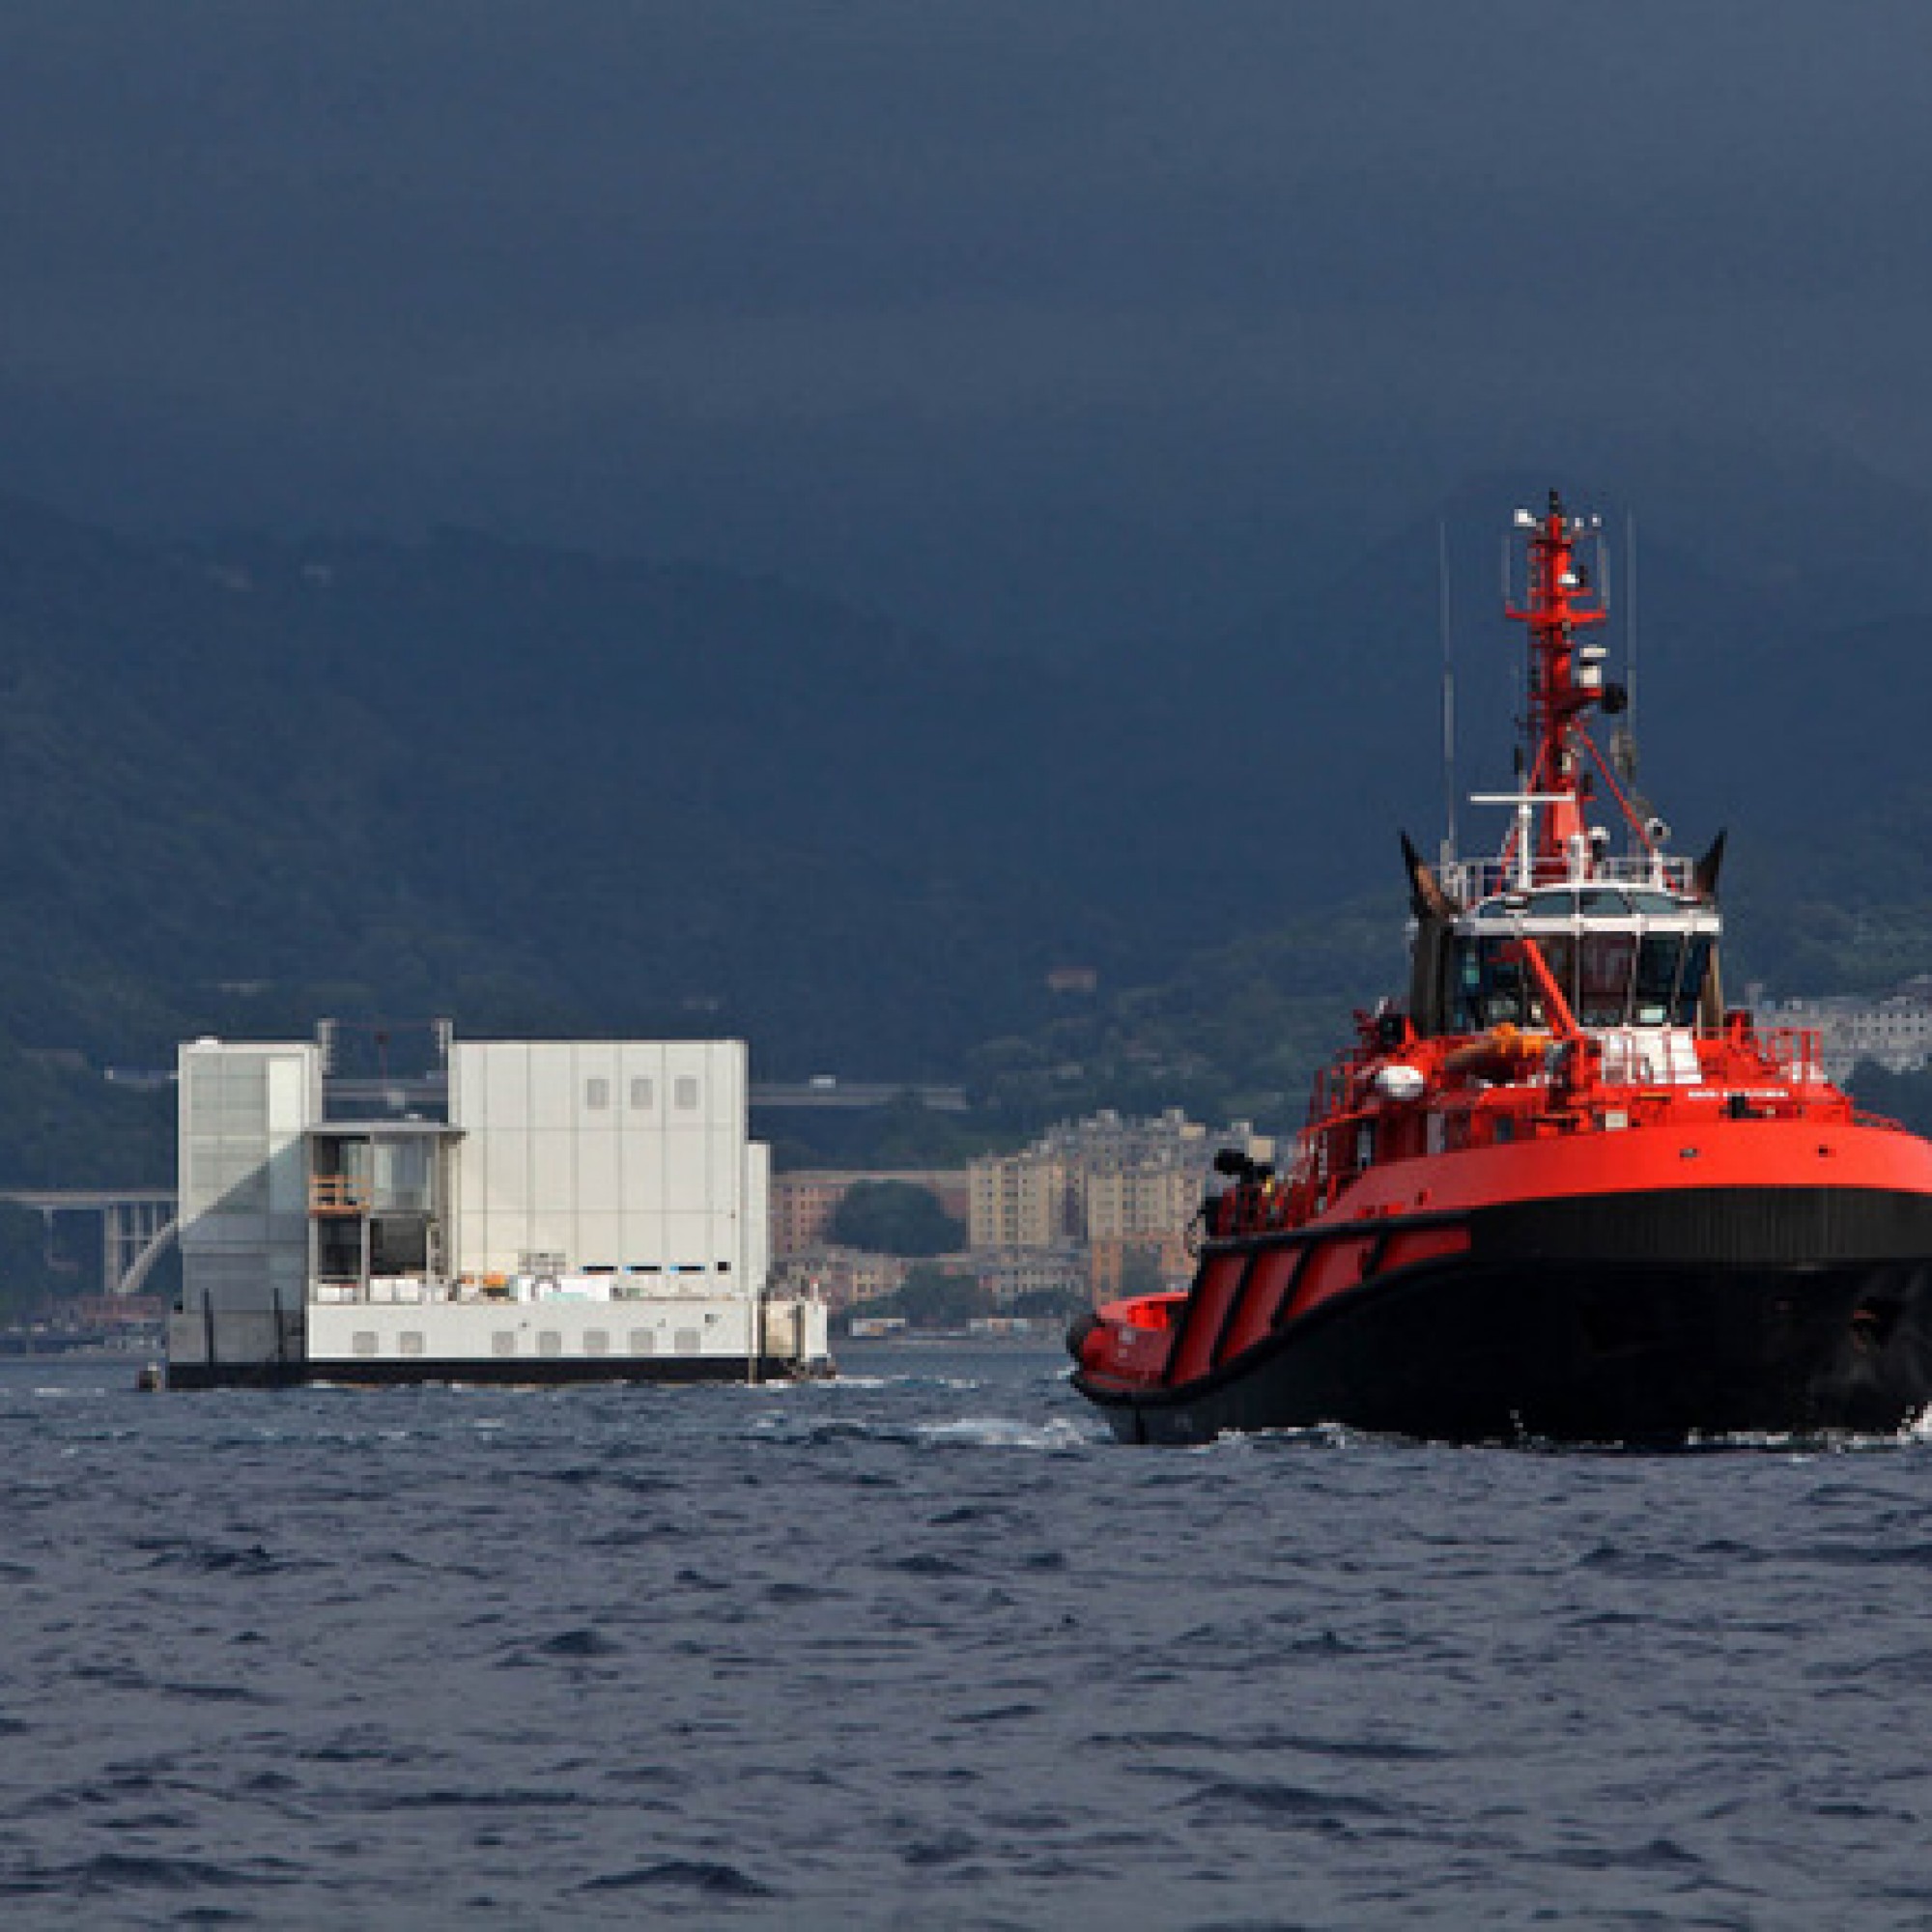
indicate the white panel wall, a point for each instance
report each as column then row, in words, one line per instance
column 551, row 1097
column 641, row 1153
column 243, row 1110
column 600, row 1241
column 686, row 1242
column 599, row 1115
column 755, row 1218
column 642, row 1067
column 600, row 1174
column 506, row 1082
column 620, row 1154
column 724, row 1188
column 552, row 1205
column 687, row 1174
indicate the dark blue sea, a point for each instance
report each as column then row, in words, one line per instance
column 921, row 1648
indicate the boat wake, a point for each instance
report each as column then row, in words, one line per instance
column 1055, row 1436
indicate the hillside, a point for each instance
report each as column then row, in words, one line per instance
column 249, row 782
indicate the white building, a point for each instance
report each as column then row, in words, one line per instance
column 548, row 1211
column 1894, row 1033
column 1104, row 1177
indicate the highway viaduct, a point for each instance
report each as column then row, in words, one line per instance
column 136, row 1226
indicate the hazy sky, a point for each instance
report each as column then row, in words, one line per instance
column 1015, row 316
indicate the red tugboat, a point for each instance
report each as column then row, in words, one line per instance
column 1565, row 1194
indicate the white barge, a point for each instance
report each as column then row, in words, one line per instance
column 534, row 1211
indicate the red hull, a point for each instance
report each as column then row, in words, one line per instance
column 1255, row 1291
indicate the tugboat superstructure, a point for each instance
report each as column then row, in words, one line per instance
column 1564, row 1192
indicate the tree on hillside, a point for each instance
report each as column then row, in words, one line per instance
column 907, row 1133
column 1906, row 1097
column 895, row 1217
column 1051, row 1303
column 931, row 1299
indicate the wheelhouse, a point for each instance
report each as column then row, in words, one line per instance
column 1622, row 955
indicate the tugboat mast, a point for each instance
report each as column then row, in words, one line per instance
column 1566, row 679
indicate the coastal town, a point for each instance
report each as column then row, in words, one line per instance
column 1092, row 1208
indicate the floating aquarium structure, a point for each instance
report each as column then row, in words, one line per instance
column 525, row 1211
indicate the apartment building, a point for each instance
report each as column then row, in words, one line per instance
column 1106, row 1179
column 1021, row 1201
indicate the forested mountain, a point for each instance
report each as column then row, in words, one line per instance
column 250, row 782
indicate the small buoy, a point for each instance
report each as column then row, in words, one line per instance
column 149, row 1380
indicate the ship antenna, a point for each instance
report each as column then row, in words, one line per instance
column 1448, row 694
column 1629, row 626
column 1623, row 740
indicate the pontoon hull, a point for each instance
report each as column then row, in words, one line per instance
column 479, row 1371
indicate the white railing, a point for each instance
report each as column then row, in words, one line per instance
column 1468, row 880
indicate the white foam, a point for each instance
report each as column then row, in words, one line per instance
column 1002, row 1432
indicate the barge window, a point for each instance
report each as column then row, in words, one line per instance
column 1656, row 975
column 1558, row 904
column 1604, row 981
column 1697, row 964
column 1604, row 899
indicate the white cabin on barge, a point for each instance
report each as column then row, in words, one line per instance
column 534, row 1210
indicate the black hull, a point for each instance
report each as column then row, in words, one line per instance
column 517, row 1374
column 1639, row 1318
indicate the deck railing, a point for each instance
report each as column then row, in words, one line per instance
column 1469, row 880
column 1794, row 1051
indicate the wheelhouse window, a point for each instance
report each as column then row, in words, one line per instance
column 1611, row 978
column 1604, row 978
column 1656, row 962
column 1691, row 982
column 1559, row 954
column 1488, row 990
